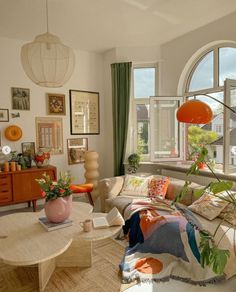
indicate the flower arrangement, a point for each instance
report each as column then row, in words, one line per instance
column 51, row 190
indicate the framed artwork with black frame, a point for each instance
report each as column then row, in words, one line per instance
column 84, row 112
column 20, row 98
column 4, row 115
column 76, row 148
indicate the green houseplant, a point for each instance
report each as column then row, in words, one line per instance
column 133, row 160
column 211, row 255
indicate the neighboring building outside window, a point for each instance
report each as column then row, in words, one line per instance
column 207, row 76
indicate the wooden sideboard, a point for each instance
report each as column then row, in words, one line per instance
column 20, row 186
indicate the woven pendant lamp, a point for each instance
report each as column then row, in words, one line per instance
column 46, row 61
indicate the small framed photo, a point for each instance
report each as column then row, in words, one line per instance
column 4, row 115
column 56, row 104
column 76, row 148
column 28, row 149
column 20, row 98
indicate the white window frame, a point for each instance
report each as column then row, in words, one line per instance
column 142, row 101
column 216, row 88
column 152, row 127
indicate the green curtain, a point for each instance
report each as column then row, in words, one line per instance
column 121, row 84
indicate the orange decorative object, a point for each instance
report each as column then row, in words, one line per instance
column 194, row 112
column 149, row 266
column 83, row 188
column 13, row 133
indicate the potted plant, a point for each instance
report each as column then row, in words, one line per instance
column 134, row 160
column 57, row 194
column 211, row 255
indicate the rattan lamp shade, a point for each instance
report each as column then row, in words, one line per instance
column 47, row 62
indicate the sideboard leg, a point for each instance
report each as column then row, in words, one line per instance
column 29, row 204
column 34, row 205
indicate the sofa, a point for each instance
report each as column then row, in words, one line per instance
column 110, row 193
column 206, row 217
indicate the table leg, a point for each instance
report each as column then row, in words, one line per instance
column 45, row 270
column 79, row 254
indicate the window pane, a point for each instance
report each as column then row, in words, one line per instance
column 165, row 132
column 232, row 132
column 144, row 82
column 227, row 64
column 210, row 135
column 142, row 128
column 202, row 77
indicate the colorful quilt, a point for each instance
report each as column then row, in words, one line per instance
column 163, row 245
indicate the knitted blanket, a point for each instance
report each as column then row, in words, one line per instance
column 163, row 245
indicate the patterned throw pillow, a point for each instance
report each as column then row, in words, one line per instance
column 157, row 187
column 209, row 205
column 229, row 214
column 135, row 186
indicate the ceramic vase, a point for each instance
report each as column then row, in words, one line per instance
column 58, row 210
column 42, row 158
column 91, row 167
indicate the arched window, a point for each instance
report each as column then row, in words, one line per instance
column 208, row 75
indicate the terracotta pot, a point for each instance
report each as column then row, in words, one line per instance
column 58, row 210
column 201, row 165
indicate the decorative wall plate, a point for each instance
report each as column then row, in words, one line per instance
column 13, row 133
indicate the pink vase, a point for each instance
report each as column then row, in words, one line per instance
column 58, row 210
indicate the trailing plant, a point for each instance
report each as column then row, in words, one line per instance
column 211, row 255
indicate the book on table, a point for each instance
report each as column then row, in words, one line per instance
column 50, row 226
column 113, row 218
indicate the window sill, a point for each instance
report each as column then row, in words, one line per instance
column 183, row 166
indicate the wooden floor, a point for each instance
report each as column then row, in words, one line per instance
column 103, row 276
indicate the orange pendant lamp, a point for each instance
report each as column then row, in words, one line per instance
column 194, row 112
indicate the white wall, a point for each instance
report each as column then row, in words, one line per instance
column 88, row 75
column 175, row 54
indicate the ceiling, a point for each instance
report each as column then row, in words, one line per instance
column 99, row 25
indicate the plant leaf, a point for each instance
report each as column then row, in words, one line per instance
column 217, row 187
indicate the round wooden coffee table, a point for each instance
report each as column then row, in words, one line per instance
column 24, row 242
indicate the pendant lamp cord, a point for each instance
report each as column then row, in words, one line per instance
column 47, row 14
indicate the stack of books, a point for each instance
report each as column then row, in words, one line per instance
column 50, row 226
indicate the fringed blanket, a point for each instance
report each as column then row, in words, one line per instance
column 163, row 245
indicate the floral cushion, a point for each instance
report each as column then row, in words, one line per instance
column 157, row 187
column 135, row 186
column 209, row 205
column 229, row 214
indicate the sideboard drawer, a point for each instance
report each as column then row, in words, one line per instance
column 5, row 188
column 5, row 196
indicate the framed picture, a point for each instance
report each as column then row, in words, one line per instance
column 84, row 112
column 20, row 98
column 4, row 115
column 56, row 104
column 28, row 148
column 76, row 149
column 49, row 134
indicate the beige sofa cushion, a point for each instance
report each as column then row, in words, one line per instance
column 109, row 188
column 135, row 186
column 175, row 187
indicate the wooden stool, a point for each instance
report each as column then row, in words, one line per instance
column 83, row 188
